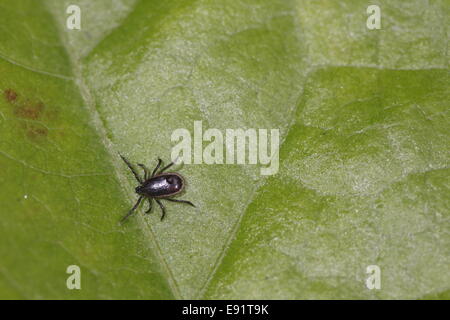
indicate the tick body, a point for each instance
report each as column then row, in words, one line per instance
column 162, row 185
column 158, row 185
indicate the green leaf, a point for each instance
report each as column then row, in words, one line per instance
column 363, row 179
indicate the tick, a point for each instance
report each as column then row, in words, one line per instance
column 159, row 185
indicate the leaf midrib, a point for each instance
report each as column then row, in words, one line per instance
column 96, row 122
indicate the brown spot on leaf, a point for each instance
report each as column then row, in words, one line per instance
column 10, row 95
column 32, row 115
column 29, row 110
column 34, row 132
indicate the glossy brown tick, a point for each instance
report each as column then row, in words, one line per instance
column 159, row 185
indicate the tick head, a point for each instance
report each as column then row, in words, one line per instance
column 139, row 190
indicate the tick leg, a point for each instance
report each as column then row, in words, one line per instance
column 146, row 171
column 163, row 209
column 149, row 205
column 136, row 175
column 166, row 167
column 182, row 201
column 131, row 211
column 157, row 167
